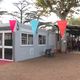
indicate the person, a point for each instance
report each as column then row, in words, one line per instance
column 73, row 44
column 69, row 44
column 78, row 45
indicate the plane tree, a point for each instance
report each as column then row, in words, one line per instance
column 62, row 8
column 25, row 12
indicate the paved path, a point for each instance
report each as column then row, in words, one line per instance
column 60, row 67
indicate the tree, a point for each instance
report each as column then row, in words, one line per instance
column 23, row 13
column 20, row 13
column 74, row 21
column 2, row 12
column 60, row 7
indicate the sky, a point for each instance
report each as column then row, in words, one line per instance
column 8, row 6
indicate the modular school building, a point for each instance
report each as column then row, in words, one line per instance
column 22, row 44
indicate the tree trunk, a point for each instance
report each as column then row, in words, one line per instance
column 21, row 18
column 62, row 43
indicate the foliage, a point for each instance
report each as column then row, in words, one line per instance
column 74, row 21
column 20, row 13
column 61, row 7
column 23, row 13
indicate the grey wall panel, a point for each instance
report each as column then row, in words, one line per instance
column 29, row 52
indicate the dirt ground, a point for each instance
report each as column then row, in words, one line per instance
column 60, row 67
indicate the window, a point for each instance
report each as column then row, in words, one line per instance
column 0, row 52
column 30, row 39
column 27, row 39
column 8, row 39
column 8, row 53
column 42, row 39
column 24, row 39
column 0, row 38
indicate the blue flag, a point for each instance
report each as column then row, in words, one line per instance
column 34, row 25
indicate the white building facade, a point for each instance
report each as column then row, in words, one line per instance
column 22, row 44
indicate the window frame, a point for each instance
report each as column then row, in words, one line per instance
column 1, row 36
column 23, row 39
column 7, row 37
column 43, row 43
column 27, row 39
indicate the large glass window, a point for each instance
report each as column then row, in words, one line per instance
column 42, row 39
column 27, row 39
column 8, row 39
column 0, row 52
column 0, row 38
column 7, row 53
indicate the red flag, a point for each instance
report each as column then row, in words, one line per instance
column 62, row 26
column 12, row 24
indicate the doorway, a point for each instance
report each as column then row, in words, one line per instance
column 6, row 46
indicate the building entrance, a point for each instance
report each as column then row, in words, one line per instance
column 6, row 45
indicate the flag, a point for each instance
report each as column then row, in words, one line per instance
column 34, row 25
column 12, row 25
column 62, row 26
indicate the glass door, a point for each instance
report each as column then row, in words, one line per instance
column 0, row 53
column 8, row 53
column 8, row 46
column 0, row 45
